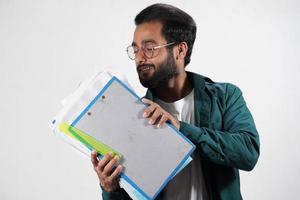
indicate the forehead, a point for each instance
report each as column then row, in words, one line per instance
column 148, row 32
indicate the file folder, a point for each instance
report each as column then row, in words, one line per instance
column 106, row 115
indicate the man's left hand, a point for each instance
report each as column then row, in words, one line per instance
column 157, row 115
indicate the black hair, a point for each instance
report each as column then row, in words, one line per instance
column 178, row 26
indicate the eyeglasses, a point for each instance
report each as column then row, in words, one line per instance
column 148, row 50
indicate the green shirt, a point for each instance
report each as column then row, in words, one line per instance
column 224, row 134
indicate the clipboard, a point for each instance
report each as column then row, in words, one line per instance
column 112, row 116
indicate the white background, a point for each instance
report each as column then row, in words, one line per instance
column 48, row 47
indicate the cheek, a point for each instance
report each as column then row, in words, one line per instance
column 156, row 64
column 136, row 62
column 160, row 60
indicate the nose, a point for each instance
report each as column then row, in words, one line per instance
column 140, row 57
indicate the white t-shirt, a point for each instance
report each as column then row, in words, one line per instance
column 189, row 183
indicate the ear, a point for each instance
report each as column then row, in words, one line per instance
column 181, row 50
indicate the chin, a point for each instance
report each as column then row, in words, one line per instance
column 147, row 83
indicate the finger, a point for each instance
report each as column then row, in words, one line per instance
column 146, row 101
column 174, row 122
column 149, row 110
column 109, row 167
column 157, row 114
column 94, row 158
column 162, row 121
column 115, row 175
column 103, row 162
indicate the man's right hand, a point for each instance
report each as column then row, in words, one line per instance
column 107, row 171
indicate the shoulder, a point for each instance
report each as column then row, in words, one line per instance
column 225, row 95
column 223, row 89
column 220, row 88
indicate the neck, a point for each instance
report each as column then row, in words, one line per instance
column 176, row 88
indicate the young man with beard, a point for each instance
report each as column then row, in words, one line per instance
column 214, row 116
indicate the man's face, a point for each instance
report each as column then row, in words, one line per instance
column 156, row 71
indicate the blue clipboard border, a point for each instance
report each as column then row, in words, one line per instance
column 170, row 125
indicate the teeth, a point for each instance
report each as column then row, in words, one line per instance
column 145, row 69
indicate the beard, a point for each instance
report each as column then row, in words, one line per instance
column 165, row 71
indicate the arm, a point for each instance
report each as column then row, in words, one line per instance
column 237, row 145
column 119, row 194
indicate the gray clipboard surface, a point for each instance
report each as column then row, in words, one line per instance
column 151, row 156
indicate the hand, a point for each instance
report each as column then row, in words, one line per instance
column 157, row 115
column 108, row 174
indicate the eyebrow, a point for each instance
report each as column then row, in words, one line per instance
column 144, row 42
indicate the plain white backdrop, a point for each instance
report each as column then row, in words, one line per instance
column 48, row 46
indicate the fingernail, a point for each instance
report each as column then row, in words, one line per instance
column 158, row 126
column 144, row 115
column 116, row 157
column 110, row 154
column 150, row 121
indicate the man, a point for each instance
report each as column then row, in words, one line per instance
column 214, row 116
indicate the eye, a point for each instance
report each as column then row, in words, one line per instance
column 149, row 45
column 149, row 48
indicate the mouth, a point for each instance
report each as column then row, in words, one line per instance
column 144, row 68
